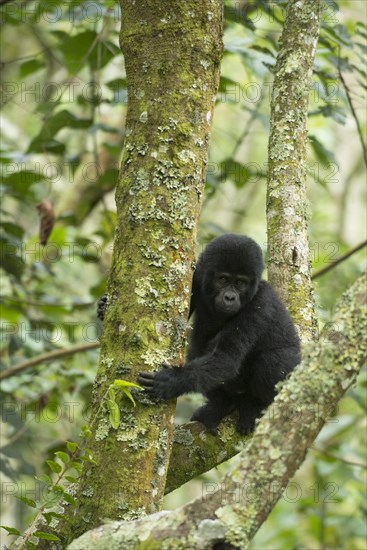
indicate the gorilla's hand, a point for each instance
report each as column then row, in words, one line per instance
column 102, row 306
column 164, row 384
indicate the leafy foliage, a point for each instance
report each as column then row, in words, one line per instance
column 64, row 101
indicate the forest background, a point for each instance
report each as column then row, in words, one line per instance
column 63, row 112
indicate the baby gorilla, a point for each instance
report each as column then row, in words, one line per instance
column 243, row 340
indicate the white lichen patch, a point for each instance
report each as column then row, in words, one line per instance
column 162, row 328
column 143, row 117
column 177, row 272
column 161, row 471
column 155, row 357
column 102, row 430
column 107, row 362
column 187, row 156
column 145, row 290
column 88, row 492
column 275, row 453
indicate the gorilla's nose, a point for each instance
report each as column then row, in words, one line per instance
column 229, row 297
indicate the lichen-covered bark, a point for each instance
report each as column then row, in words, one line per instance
column 289, row 267
column 280, row 442
column 172, row 54
column 195, row 450
column 287, row 207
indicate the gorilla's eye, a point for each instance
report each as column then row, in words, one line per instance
column 241, row 282
column 223, row 279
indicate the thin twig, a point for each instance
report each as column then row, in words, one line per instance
column 354, row 114
column 339, row 260
column 29, row 532
column 47, row 357
column 34, row 303
column 341, row 459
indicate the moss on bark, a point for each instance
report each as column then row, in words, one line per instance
column 172, row 54
column 287, row 206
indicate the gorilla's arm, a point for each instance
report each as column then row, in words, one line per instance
column 210, row 371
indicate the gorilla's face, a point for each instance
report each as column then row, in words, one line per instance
column 228, row 273
column 229, row 292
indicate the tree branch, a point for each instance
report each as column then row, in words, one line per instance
column 244, row 498
column 195, row 451
column 338, row 260
column 287, row 205
column 46, row 357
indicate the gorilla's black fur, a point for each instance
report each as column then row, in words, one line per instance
column 243, row 340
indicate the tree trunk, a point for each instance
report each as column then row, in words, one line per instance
column 172, row 53
column 287, row 206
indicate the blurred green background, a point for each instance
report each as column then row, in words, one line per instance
column 64, row 104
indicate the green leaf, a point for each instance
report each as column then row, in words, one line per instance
column 111, row 393
column 71, row 446
column 21, row 181
column 54, row 466
column 52, row 499
column 50, row 515
column 78, row 467
column 12, row 229
column 128, row 394
column 29, row 67
column 57, row 489
column 125, row 384
column 68, row 498
column 45, row 536
column 65, row 458
column 324, row 155
column 52, row 125
column 11, row 262
column 86, row 431
column 227, row 85
column 108, row 179
column 114, row 413
column 263, row 50
column 88, row 458
column 236, row 15
column 335, row 113
column 10, row 530
column 119, row 89
column 27, row 501
column 339, row 33
column 88, row 452
column 72, row 479
column 240, row 174
column 44, row 478
column 87, row 48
